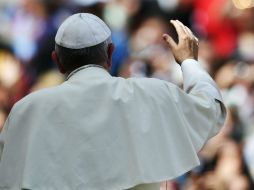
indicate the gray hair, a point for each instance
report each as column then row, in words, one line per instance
column 74, row 58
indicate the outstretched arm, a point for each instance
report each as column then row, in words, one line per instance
column 201, row 102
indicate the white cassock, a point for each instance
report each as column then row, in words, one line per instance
column 98, row 132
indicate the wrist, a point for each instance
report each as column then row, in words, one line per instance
column 180, row 62
column 189, row 63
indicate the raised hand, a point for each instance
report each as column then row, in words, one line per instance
column 187, row 46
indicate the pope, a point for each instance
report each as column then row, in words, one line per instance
column 98, row 132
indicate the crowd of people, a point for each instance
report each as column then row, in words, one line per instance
column 226, row 36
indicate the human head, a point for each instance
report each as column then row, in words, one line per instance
column 83, row 39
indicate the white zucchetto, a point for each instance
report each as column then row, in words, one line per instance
column 82, row 30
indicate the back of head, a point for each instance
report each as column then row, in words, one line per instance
column 82, row 39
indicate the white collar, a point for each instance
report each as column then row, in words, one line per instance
column 83, row 67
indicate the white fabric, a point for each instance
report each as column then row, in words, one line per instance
column 150, row 186
column 82, row 30
column 99, row 132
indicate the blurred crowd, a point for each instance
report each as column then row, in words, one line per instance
column 226, row 35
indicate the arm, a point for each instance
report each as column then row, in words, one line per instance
column 208, row 111
column 185, row 52
column 200, row 104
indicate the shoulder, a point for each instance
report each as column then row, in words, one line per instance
column 151, row 87
column 152, row 84
column 147, row 82
column 35, row 99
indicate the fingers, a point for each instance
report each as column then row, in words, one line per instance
column 183, row 27
column 192, row 35
column 169, row 41
column 196, row 39
column 189, row 32
column 187, row 45
column 183, row 33
column 179, row 29
column 184, row 30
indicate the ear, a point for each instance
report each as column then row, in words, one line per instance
column 57, row 62
column 111, row 49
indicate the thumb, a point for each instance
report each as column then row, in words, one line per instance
column 169, row 40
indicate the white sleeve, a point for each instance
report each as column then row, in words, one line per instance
column 202, row 107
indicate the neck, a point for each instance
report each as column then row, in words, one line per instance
column 103, row 65
column 83, row 67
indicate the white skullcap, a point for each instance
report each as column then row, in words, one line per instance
column 82, row 30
